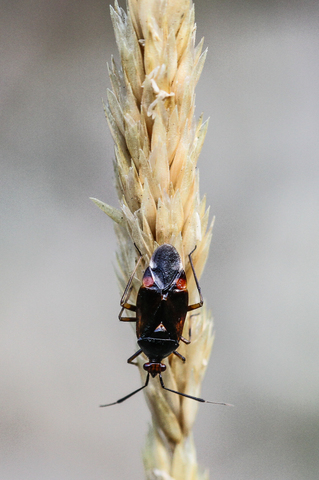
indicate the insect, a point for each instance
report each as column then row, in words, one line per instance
column 161, row 309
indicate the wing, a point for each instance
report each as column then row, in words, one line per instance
column 148, row 303
column 175, row 312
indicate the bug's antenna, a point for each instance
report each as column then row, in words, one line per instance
column 190, row 396
column 129, row 395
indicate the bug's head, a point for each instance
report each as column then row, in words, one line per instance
column 154, row 368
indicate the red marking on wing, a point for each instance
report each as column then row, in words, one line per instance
column 181, row 284
column 148, row 281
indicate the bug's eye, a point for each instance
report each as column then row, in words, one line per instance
column 148, row 279
column 181, row 284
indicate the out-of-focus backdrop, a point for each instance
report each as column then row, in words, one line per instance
column 62, row 349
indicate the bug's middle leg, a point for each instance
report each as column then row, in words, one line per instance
column 189, row 340
column 183, row 339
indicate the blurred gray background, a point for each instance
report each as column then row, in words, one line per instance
column 62, row 349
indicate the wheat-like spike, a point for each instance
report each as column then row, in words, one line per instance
column 150, row 112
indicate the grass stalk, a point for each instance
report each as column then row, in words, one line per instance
column 150, row 112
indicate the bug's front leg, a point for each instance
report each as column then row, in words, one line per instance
column 179, row 355
column 136, row 354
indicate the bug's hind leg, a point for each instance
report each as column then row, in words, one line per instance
column 201, row 301
column 127, row 293
column 130, row 307
column 136, row 354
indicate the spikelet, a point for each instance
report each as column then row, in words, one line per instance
column 150, row 112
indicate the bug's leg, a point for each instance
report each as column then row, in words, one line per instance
column 129, row 395
column 126, row 319
column 183, row 339
column 136, row 354
column 201, row 301
column 127, row 292
column 179, row 356
column 125, row 306
column 132, row 308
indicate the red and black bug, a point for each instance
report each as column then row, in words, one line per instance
column 161, row 309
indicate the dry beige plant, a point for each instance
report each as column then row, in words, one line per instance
column 150, row 112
